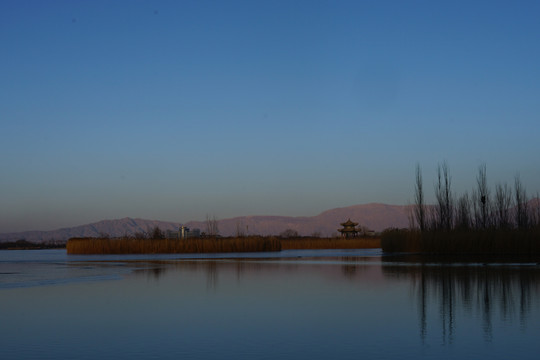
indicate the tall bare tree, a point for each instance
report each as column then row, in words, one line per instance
column 239, row 229
column 419, row 202
column 155, row 233
column 443, row 195
column 463, row 212
column 522, row 211
column 536, row 211
column 502, row 203
column 482, row 196
column 212, row 228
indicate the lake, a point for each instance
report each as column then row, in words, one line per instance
column 328, row 304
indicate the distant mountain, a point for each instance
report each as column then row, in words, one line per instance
column 372, row 216
column 113, row 228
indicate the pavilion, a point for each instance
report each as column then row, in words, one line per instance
column 349, row 229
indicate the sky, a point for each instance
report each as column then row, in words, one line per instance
column 175, row 110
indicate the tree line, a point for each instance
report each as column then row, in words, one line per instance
column 506, row 208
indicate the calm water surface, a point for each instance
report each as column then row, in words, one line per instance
column 286, row 305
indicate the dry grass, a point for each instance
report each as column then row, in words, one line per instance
column 330, row 243
column 211, row 245
column 164, row 246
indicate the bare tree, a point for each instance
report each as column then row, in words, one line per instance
column 522, row 211
column 432, row 218
column 419, row 205
column 463, row 212
column 156, row 233
column 140, row 235
column 502, row 203
column 443, row 194
column 288, row 233
column 239, row 229
column 212, row 228
column 476, row 209
column 363, row 230
column 482, row 197
column 535, row 211
column 411, row 216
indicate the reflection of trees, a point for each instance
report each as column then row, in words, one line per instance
column 481, row 288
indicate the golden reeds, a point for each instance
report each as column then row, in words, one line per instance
column 163, row 246
column 330, row 243
column 210, row 245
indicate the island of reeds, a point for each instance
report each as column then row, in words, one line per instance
column 212, row 244
column 505, row 222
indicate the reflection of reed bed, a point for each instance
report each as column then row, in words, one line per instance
column 211, row 245
column 168, row 246
column 213, row 267
column 455, row 242
column 336, row 268
column 309, row 243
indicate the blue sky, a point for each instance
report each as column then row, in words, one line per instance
column 172, row 110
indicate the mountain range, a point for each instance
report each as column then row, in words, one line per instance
column 372, row 216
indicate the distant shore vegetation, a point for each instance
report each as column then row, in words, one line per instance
column 27, row 245
column 505, row 221
column 155, row 243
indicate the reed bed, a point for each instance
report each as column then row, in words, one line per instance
column 171, row 246
column 309, row 243
column 479, row 242
column 211, row 245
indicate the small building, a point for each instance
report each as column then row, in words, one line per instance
column 349, row 229
column 183, row 233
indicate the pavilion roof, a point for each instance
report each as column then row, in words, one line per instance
column 349, row 223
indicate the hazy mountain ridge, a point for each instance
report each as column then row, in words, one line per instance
column 114, row 228
column 373, row 216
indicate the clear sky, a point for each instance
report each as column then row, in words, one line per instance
column 172, row 110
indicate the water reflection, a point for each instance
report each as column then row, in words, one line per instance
column 489, row 292
column 294, row 307
column 446, row 295
column 350, row 268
